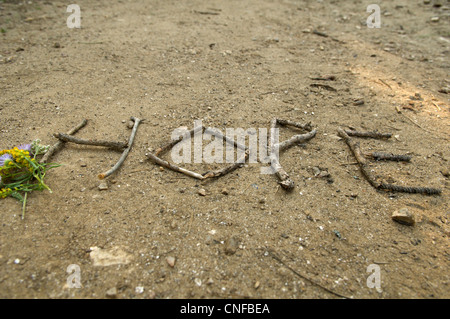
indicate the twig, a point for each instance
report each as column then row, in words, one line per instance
column 124, row 155
column 372, row 134
column 326, row 36
column 284, row 180
column 173, row 167
column 354, row 147
column 320, row 33
column 113, row 145
column 385, row 83
column 296, row 139
column 325, row 78
column 58, row 145
column 412, row 190
column 380, row 156
column 228, row 169
column 327, row 87
column 274, row 256
column 306, row 127
column 207, row 12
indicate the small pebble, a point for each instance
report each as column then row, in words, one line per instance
column 130, row 124
column 231, row 246
column 103, row 186
column 139, row 289
column 171, row 261
column 111, row 293
column 202, row 192
column 224, row 191
column 403, row 216
column 198, row 281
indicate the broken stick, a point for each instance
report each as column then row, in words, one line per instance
column 58, row 145
column 173, row 167
column 296, row 139
column 68, row 138
column 284, row 180
column 373, row 134
column 228, row 169
column 124, row 155
column 380, row 156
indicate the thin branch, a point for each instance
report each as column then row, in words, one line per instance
column 228, row 169
column 58, row 145
column 113, row 145
column 296, row 139
column 124, row 155
column 284, row 180
column 274, row 256
column 173, row 167
column 372, row 134
column 306, row 127
column 380, row 156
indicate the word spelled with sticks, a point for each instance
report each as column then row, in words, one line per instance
column 274, row 148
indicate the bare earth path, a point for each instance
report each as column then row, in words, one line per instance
column 231, row 64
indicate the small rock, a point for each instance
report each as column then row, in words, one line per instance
column 403, row 216
column 231, row 246
column 130, row 125
column 170, row 261
column 434, row 19
column 257, row 284
column 202, row 192
column 173, row 225
column 224, row 191
column 316, row 171
column 111, row 293
column 262, row 200
column 83, row 164
column 198, row 281
column 103, row 186
column 445, row 172
column 445, row 90
column 139, row 290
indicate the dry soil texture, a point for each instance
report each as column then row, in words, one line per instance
column 232, row 64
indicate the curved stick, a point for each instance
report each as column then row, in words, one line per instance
column 173, row 167
column 124, row 155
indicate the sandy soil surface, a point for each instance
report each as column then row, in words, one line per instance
column 232, row 64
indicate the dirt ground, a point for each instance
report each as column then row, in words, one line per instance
column 232, row 64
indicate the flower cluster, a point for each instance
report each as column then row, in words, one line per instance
column 20, row 171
